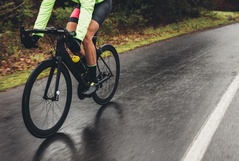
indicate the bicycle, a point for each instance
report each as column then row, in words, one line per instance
column 47, row 94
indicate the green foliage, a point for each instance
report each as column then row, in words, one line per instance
column 110, row 26
column 13, row 13
column 26, row 13
column 158, row 11
column 60, row 16
column 128, row 19
column 227, row 5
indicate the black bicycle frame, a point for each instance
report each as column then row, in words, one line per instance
column 62, row 57
column 73, row 67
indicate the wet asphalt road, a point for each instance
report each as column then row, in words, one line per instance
column 166, row 92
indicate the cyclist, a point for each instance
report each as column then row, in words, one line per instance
column 85, row 20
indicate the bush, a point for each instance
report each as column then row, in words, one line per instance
column 227, row 5
column 60, row 16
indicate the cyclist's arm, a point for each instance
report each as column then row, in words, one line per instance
column 44, row 15
column 87, row 7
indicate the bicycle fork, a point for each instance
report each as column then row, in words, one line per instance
column 57, row 81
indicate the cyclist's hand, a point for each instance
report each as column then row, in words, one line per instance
column 30, row 41
column 74, row 45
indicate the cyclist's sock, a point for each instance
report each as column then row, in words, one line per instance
column 92, row 73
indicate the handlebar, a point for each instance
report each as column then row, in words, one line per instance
column 47, row 30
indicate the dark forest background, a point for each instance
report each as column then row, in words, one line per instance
column 125, row 14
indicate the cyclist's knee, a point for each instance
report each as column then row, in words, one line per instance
column 87, row 40
column 92, row 29
column 71, row 26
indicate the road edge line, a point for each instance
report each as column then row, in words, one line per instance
column 202, row 140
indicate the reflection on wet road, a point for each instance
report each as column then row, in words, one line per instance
column 61, row 144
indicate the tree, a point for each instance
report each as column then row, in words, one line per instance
column 13, row 12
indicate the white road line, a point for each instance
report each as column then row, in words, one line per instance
column 202, row 140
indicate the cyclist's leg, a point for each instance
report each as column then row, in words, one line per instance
column 101, row 11
column 90, row 54
column 88, row 43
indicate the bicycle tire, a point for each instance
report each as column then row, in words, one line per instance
column 33, row 96
column 108, row 67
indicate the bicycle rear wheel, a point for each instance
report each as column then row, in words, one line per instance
column 108, row 71
column 43, row 113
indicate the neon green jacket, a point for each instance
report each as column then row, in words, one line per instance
column 87, row 8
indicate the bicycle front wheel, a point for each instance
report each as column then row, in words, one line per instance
column 44, row 109
column 108, row 71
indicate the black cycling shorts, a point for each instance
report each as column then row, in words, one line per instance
column 101, row 11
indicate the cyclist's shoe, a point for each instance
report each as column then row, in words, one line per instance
column 93, row 87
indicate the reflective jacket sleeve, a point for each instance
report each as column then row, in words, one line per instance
column 44, row 15
column 87, row 7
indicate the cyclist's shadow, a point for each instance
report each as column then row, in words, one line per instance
column 98, row 135
column 92, row 145
column 55, row 140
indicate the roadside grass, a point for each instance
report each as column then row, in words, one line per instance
column 13, row 80
column 154, row 34
column 134, row 39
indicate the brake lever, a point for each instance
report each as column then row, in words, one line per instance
column 22, row 33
